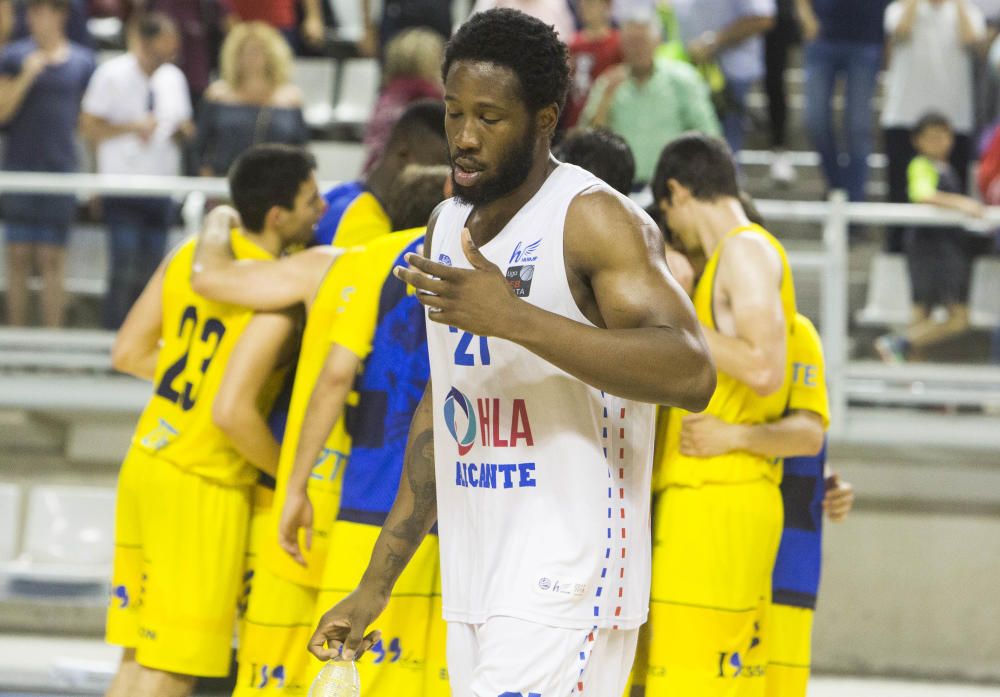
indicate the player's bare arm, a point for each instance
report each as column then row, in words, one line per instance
column 261, row 285
column 326, row 404
column 137, row 345
column 341, row 630
column 266, row 344
column 647, row 344
column 750, row 342
column 798, row 434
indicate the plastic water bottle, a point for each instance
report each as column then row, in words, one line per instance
column 337, row 679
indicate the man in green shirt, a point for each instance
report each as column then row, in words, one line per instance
column 649, row 101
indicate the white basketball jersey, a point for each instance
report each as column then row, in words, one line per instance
column 542, row 481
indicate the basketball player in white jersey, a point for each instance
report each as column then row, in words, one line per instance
column 554, row 326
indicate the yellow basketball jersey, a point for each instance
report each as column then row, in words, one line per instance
column 334, row 292
column 198, row 335
column 733, row 401
column 363, row 221
column 808, row 375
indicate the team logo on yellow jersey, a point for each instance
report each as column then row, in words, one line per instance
column 160, row 437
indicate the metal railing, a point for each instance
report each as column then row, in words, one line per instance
column 830, row 260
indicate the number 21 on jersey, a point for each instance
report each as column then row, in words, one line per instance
column 463, row 351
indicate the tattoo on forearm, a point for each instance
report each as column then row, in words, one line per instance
column 401, row 537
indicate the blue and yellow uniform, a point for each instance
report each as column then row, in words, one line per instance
column 389, row 322
column 795, row 580
column 282, row 594
column 717, row 525
column 353, row 216
column 184, row 493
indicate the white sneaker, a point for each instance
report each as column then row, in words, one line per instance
column 782, row 170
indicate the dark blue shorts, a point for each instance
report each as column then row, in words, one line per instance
column 53, row 234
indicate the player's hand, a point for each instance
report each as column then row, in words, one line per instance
column 341, row 630
column 839, row 498
column 477, row 300
column 703, row 435
column 296, row 514
column 219, row 223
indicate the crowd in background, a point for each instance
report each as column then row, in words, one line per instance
column 201, row 82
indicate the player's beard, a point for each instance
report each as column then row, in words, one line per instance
column 510, row 174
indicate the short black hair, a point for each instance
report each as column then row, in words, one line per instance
column 704, row 164
column 415, row 194
column 266, row 176
column 151, row 25
column 932, row 119
column 526, row 45
column 604, row 154
column 420, row 118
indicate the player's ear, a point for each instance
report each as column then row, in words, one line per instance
column 679, row 194
column 547, row 119
column 274, row 217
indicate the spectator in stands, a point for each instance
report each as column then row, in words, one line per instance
column 398, row 16
column 42, row 80
column 592, row 50
column 843, row 41
column 137, row 112
column 203, row 25
column 730, row 31
column 412, row 71
column 777, row 44
column 938, row 257
column 649, row 101
column 253, row 102
column 930, row 69
column 283, row 15
column 554, row 12
column 603, row 153
column 14, row 22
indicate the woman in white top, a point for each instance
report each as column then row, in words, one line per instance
column 930, row 69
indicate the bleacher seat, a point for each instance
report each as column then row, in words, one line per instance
column 68, row 535
column 984, row 293
column 10, row 520
column 316, row 78
column 357, row 92
column 338, row 161
column 889, row 299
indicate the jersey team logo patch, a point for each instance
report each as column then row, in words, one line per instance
column 519, row 278
column 526, row 254
column 454, row 404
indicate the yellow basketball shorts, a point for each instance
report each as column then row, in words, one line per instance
column 273, row 658
column 398, row 662
column 276, row 623
column 790, row 649
column 713, row 553
column 179, row 549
